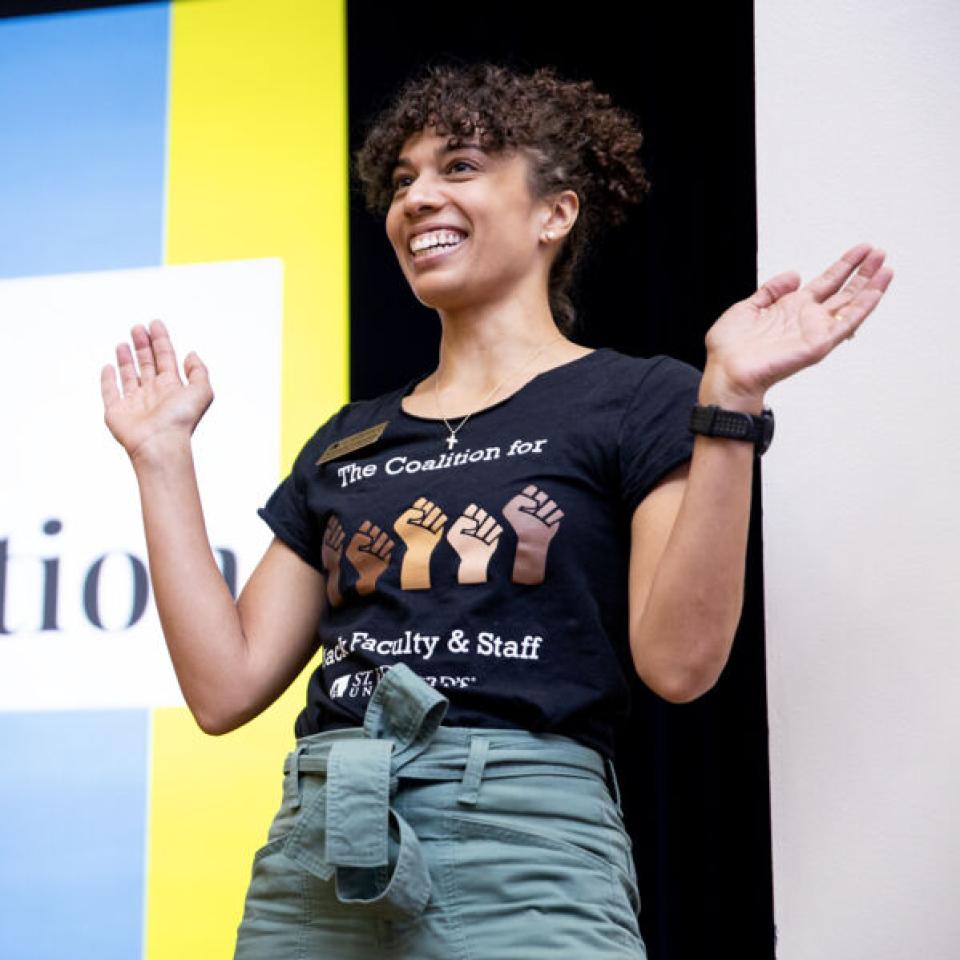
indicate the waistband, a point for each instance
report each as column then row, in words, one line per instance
column 344, row 833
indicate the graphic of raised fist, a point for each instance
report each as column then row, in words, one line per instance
column 330, row 554
column 536, row 519
column 369, row 551
column 420, row 527
column 475, row 536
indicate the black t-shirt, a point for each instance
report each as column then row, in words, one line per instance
column 496, row 569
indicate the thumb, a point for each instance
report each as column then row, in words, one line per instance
column 773, row 289
column 195, row 369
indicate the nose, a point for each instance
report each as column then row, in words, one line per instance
column 422, row 194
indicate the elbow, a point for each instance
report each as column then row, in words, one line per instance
column 682, row 686
column 215, row 729
column 682, row 679
column 681, row 660
column 217, row 711
column 216, row 723
column 210, row 724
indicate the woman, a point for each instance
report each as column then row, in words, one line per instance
column 490, row 546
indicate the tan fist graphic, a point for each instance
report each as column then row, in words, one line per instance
column 475, row 536
column 536, row 519
column 331, row 552
column 369, row 551
column 420, row 528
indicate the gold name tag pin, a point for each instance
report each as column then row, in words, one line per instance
column 354, row 442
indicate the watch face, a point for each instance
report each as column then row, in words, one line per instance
column 765, row 441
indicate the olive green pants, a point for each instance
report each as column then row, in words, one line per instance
column 406, row 839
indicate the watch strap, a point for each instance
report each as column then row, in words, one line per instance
column 714, row 421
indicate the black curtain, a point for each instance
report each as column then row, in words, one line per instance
column 694, row 776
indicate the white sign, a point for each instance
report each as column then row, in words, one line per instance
column 78, row 626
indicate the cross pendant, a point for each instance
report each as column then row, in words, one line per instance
column 450, row 441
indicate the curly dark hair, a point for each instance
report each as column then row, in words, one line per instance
column 578, row 141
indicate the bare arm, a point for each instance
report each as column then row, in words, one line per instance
column 688, row 543
column 689, row 535
column 232, row 660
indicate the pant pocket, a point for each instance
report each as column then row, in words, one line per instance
column 273, row 911
column 532, row 839
column 522, row 893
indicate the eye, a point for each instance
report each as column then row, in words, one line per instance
column 398, row 181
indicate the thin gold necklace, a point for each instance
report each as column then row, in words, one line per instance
column 452, row 439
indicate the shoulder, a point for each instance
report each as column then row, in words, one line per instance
column 630, row 382
column 660, row 367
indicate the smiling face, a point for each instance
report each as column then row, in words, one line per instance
column 475, row 217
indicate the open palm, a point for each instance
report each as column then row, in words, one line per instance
column 784, row 327
column 153, row 401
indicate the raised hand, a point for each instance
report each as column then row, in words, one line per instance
column 536, row 520
column 475, row 536
column 330, row 553
column 153, row 402
column 420, row 527
column 784, row 327
column 369, row 551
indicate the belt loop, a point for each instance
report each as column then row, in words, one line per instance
column 612, row 781
column 473, row 772
column 291, row 786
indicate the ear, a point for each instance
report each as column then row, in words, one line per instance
column 560, row 214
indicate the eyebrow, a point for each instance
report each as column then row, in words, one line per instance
column 449, row 147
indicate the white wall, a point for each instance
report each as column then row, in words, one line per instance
column 858, row 138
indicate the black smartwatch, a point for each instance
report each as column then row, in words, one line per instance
column 714, row 421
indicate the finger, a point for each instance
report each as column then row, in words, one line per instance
column 108, row 386
column 163, row 349
column 430, row 512
column 197, row 372
column 848, row 320
column 868, row 269
column 545, row 508
column 835, row 276
column 145, row 358
column 129, row 380
column 484, row 528
column 492, row 534
column 773, row 289
column 463, row 524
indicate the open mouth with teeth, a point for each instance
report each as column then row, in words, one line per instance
column 436, row 244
